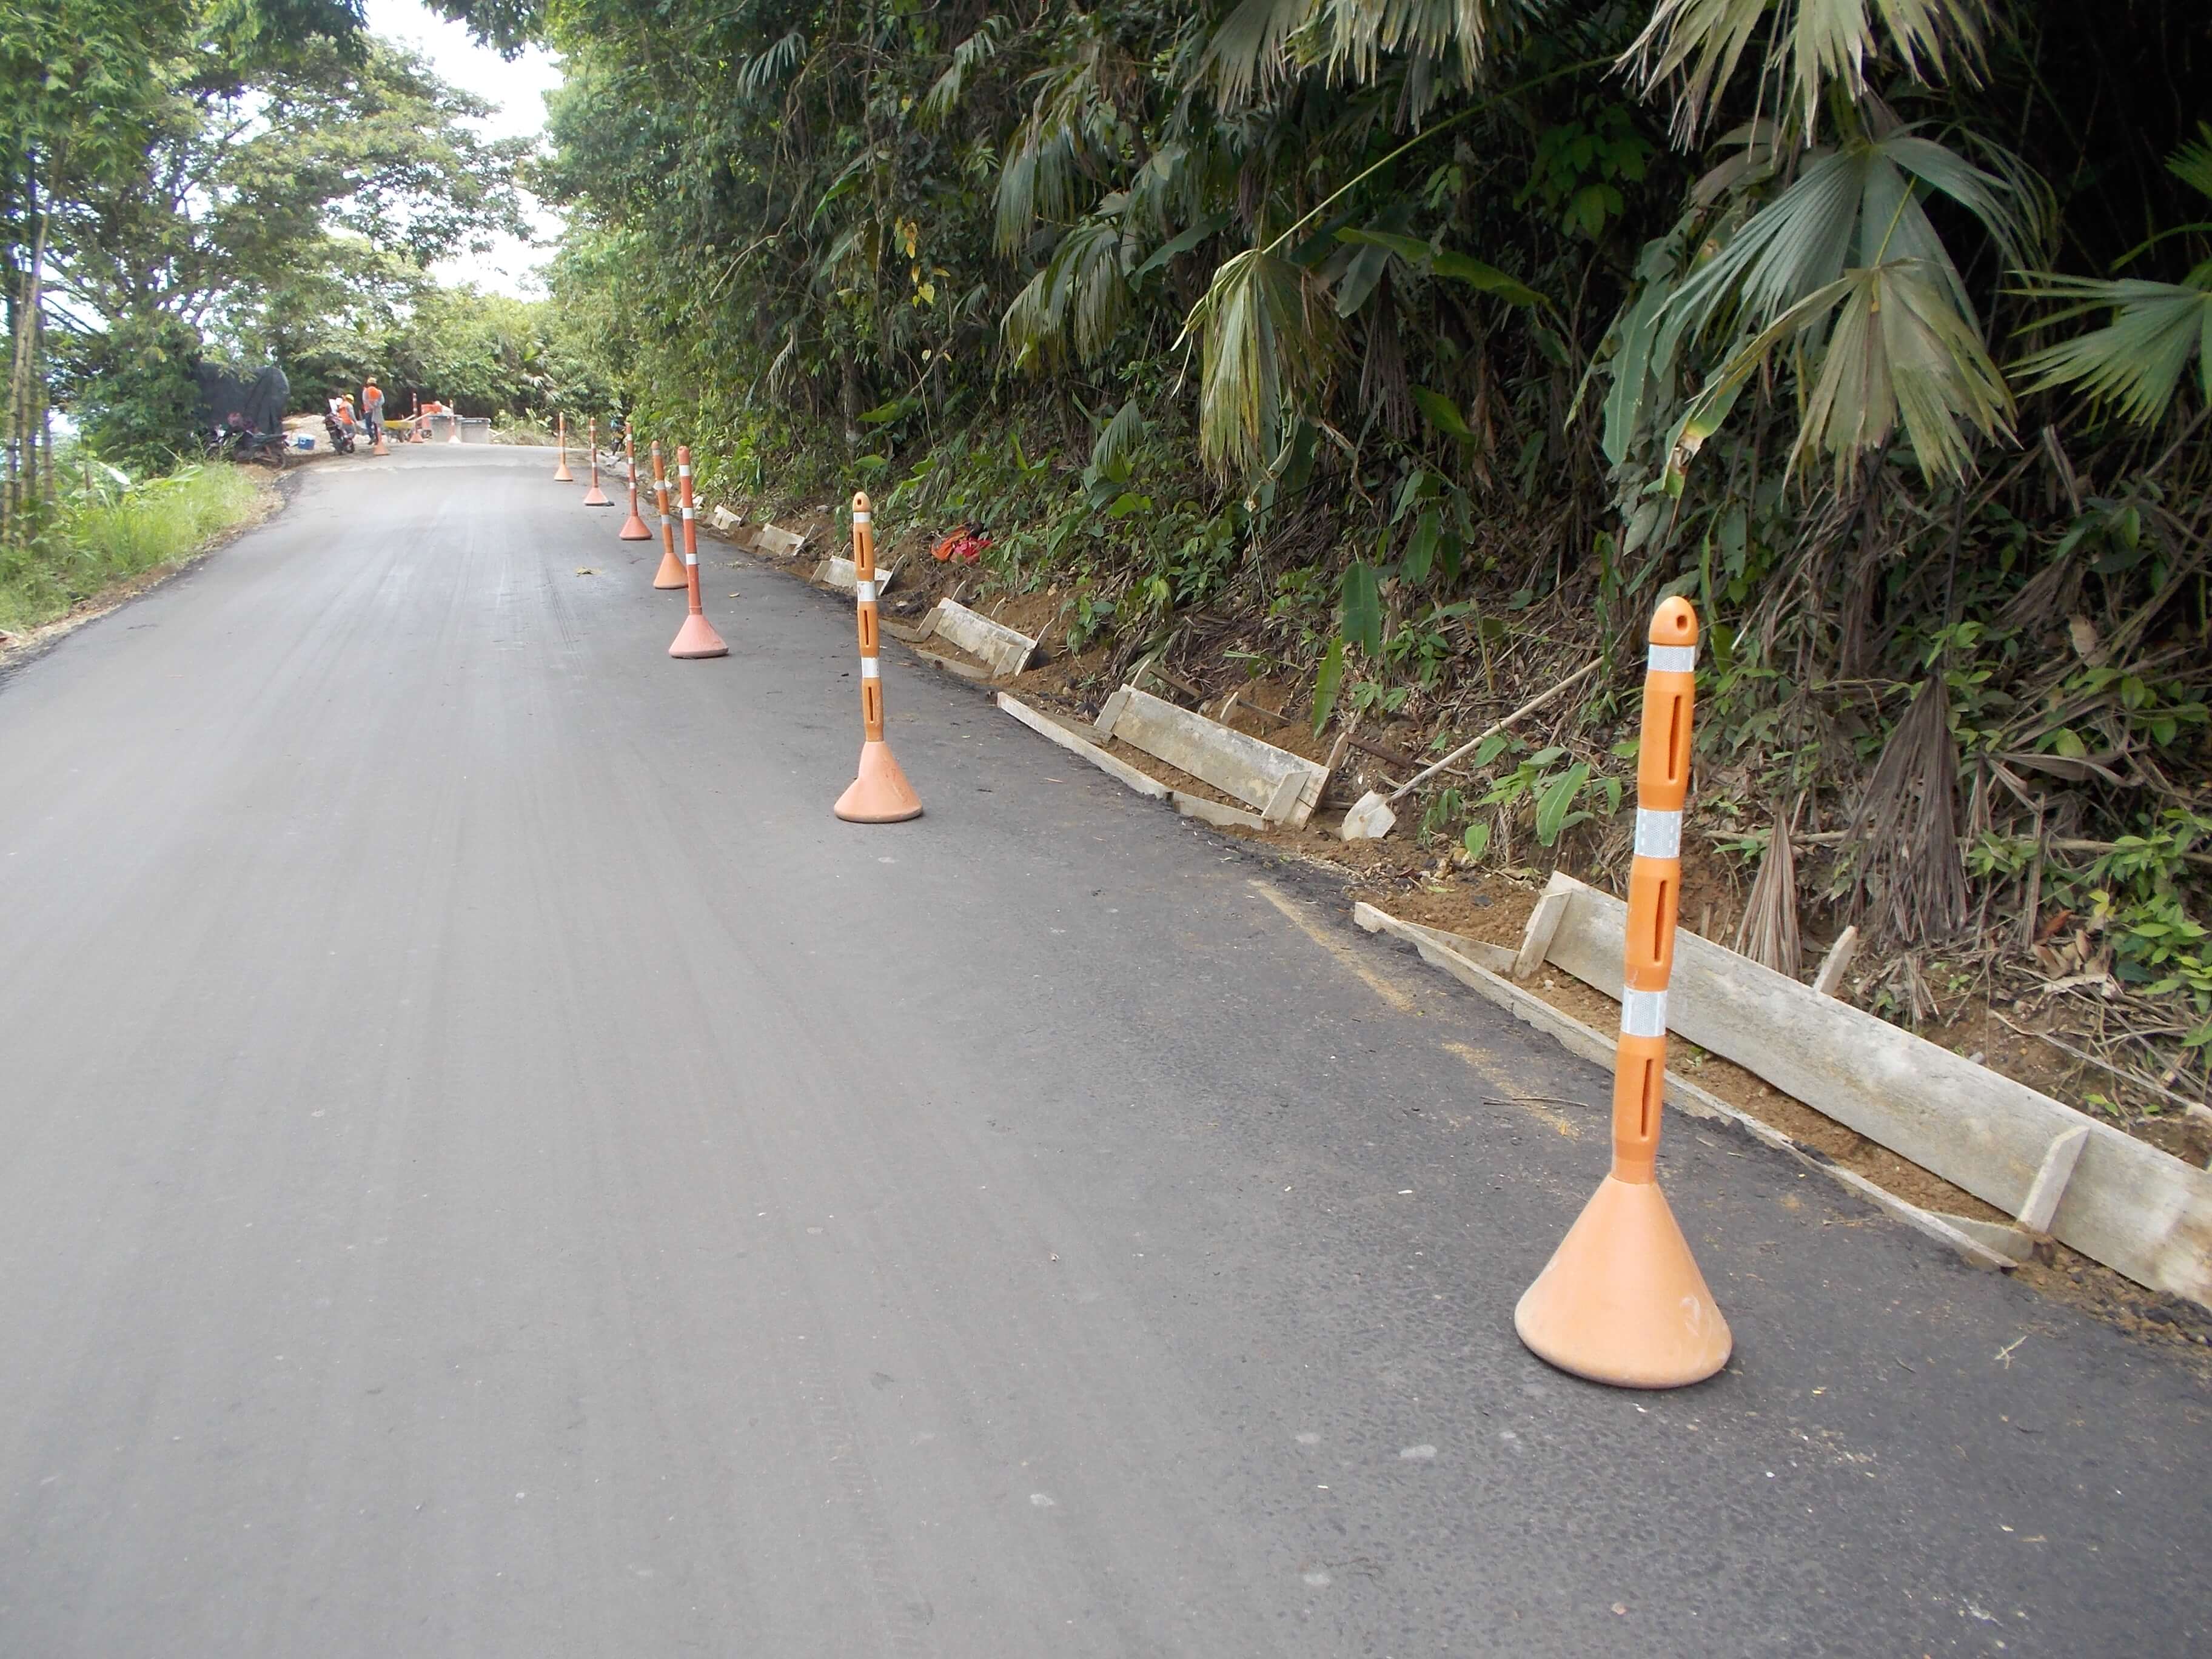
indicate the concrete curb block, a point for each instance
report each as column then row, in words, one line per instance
column 1068, row 738
column 836, row 571
column 1284, row 788
column 1007, row 652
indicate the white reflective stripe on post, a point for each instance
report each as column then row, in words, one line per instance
column 870, row 668
column 863, row 518
column 1658, row 835
column 1672, row 659
column 1643, row 1013
column 684, row 471
column 864, row 592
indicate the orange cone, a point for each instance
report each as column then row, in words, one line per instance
column 454, row 425
column 880, row 794
column 633, row 528
column 594, row 496
column 1621, row 1300
column 378, row 447
column 670, row 573
column 560, row 473
column 696, row 638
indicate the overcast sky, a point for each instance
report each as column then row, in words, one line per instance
column 517, row 88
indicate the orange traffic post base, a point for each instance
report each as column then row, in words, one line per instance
column 378, row 447
column 670, row 573
column 880, row 794
column 452, row 426
column 1621, row 1300
column 696, row 637
column 633, row 528
column 594, row 496
column 560, row 473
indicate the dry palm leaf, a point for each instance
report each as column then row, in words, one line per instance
column 1908, row 881
column 1768, row 933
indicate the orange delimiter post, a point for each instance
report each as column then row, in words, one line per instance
column 594, row 496
column 1655, row 889
column 880, row 793
column 696, row 637
column 633, row 528
column 1622, row 1300
column 560, row 473
column 670, row 573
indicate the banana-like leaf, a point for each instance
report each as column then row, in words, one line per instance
column 1488, row 278
column 2135, row 361
column 1178, row 246
column 1428, row 258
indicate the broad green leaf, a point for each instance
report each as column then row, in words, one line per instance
column 1442, row 413
column 1420, row 550
column 1477, row 840
column 1362, row 609
column 1327, row 681
column 1557, row 799
column 1412, row 249
column 1488, row 278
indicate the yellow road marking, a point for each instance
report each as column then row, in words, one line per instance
column 1498, row 1078
column 1396, row 996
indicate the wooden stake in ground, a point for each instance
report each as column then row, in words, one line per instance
column 1371, row 817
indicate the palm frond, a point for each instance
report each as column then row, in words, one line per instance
column 1264, row 341
column 1455, row 35
column 1900, row 354
column 1247, row 52
column 1080, row 298
column 978, row 49
column 1897, row 353
column 764, row 71
column 2135, row 361
column 1119, row 437
column 2192, row 162
column 1803, row 49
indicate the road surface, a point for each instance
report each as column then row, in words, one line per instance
column 489, row 1166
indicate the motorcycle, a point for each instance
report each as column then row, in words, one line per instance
column 245, row 443
column 341, row 435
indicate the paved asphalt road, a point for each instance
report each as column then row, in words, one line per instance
column 489, row 1166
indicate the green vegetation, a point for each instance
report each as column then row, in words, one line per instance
column 1413, row 350
column 104, row 531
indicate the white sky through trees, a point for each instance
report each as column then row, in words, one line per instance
column 517, row 88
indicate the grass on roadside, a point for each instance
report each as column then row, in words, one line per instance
column 90, row 542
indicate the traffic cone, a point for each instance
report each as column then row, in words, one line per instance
column 560, row 473
column 378, row 448
column 880, row 794
column 670, row 573
column 594, row 496
column 453, row 427
column 696, row 637
column 633, row 528
column 1621, row 1300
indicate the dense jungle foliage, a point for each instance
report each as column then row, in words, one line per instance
column 1418, row 346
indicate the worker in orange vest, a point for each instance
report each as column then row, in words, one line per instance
column 372, row 409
